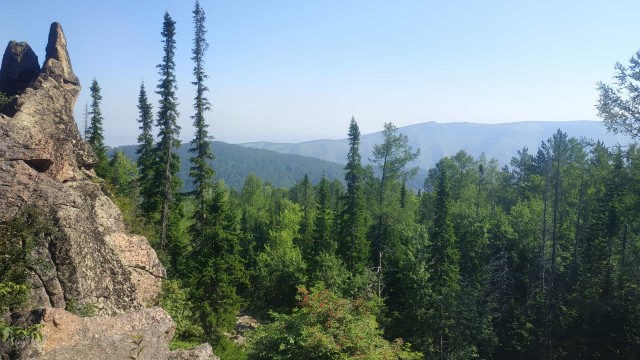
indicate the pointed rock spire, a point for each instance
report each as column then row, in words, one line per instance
column 57, row 57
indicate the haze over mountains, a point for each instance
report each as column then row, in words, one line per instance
column 283, row 164
column 437, row 140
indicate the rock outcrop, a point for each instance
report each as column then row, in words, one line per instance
column 19, row 68
column 144, row 333
column 88, row 260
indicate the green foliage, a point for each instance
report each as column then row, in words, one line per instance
column 124, row 175
column 353, row 246
column 392, row 158
column 280, row 267
column 4, row 100
column 12, row 334
column 322, row 237
column 234, row 163
column 96, row 132
column 393, row 155
column 537, row 261
column 167, row 162
column 133, row 217
column 17, row 238
column 216, row 265
column 444, row 255
column 331, row 273
column 325, row 326
column 200, row 171
column 144, row 151
column 175, row 301
column 228, row 350
column 617, row 104
column 12, row 295
column 82, row 310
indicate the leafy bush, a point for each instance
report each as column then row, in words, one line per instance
column 4, row 100
column 174, row 301
column 325, row 326
column 280, row 267
column 227, row 349
column 16, row 242
column 84, row 310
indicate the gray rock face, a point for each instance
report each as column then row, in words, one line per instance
column 44, row 163
column 88, row 260
column 19, row 68
column 58, row 56
column 201, row 352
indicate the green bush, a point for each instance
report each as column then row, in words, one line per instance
column 325, row 326
column 17, row 238
column 4, row 100
column 86, row 310
column 174, row 300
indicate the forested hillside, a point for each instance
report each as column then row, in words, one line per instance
column 233, row 163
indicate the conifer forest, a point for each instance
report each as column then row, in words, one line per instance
column 538, row 258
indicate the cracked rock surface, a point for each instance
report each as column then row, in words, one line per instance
column 44, row 163
column 89, row 260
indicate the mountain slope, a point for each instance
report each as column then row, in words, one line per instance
column 233, row 163
column 436, row 140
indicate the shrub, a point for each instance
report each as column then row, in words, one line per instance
column 16, row 243
column 325, row 326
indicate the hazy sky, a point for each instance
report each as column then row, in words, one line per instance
column 298, row 70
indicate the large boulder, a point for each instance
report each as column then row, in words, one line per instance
column 143, row 334
column 19, row 68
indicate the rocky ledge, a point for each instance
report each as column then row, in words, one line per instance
column 89, row 259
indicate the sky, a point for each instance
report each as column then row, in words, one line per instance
column 290, row 71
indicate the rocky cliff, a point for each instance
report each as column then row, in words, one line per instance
column 88, row 260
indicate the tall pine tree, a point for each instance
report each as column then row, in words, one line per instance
column 145, row 153
column 96, row 136
column 354, row 247
column 200, row 171
column 168, row 162
column 322, row 239
column 443, row 265
column 218, row 266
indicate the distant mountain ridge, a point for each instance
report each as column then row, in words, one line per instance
column 284, row 164
column 437, row 140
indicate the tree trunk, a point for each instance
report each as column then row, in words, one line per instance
column 164, row 217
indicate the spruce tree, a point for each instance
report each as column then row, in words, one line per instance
column 218, row 268
column 200, row 171
column 96, row 136
column 322, row 239
column 306, row 201
column 168, row 162
column 353, row 245
column 444, row 253
column 146, row 156
column 443, row 264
